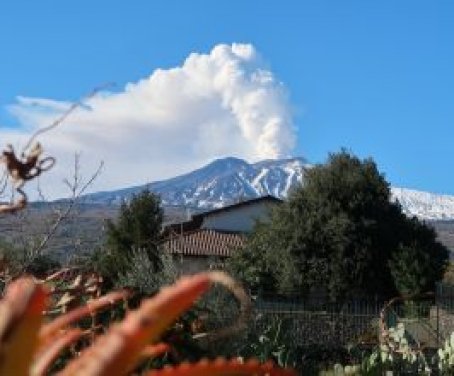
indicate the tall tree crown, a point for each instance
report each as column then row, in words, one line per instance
column 341, row 232
column 137, row 229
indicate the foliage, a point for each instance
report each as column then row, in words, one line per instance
column 42, row 265
column 29, row 345
column 418, row 263
column 218, row 304
column 448, row 277
column 394, row 354
column 138, row 225
column 273, row 343
column 342, row 233
column 137, row 229
column 446, row 356
column 17, row 260
column 264, row 336
column 141, row 274
column 325, row 360
column 256, row 265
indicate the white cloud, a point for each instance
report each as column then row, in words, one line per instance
column 225, row 103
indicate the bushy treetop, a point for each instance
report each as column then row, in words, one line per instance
column 137, row 229
column 138, row 225
column 340, row 232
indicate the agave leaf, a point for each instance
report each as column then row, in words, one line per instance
column 152, row 351
column 57, row 274
column 20, row 319
column 47, row 355
column 61, row 322
column 116, row 352
column 222, row 367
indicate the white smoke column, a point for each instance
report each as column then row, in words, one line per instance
column 225, row 103
column 252, row 95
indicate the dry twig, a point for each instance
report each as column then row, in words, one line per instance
column 30, row 163
column 77, row 189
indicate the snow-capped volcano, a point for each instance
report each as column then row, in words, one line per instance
column 226, row 181
column 222, row 182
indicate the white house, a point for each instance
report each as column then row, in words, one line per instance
column 208, row 238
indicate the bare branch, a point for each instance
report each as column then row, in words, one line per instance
column 92, row 179
column 76, row 193
column 65, row 115
column 3, row 182
column 39, row 190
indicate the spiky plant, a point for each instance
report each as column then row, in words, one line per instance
column 29, row 345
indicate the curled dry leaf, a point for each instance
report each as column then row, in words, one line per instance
column 21, row 169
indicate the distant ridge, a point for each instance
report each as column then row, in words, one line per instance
column 228, row 180
column 425, row 205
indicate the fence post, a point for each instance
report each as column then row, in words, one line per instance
column 437, row 305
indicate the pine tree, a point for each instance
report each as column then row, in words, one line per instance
column 137, row 229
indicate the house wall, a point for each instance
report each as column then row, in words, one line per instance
column 240, row 219
column 196, row 264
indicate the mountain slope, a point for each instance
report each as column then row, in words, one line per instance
column 225, row 181
column 222, row 182
column 425, row 205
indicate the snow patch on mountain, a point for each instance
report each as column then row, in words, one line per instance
column 425, row 205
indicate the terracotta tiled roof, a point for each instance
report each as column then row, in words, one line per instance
column 204, row 242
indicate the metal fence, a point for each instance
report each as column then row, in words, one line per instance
column 444, row 310
column 429, row 317
column 445, row 296
column 317, row 321
column 311, row 321
column 310, row 326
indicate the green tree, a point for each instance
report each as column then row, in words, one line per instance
column 415, row 265
column 137, row 229
column 341, row 232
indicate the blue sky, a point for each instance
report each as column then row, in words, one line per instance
column 375, row 77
